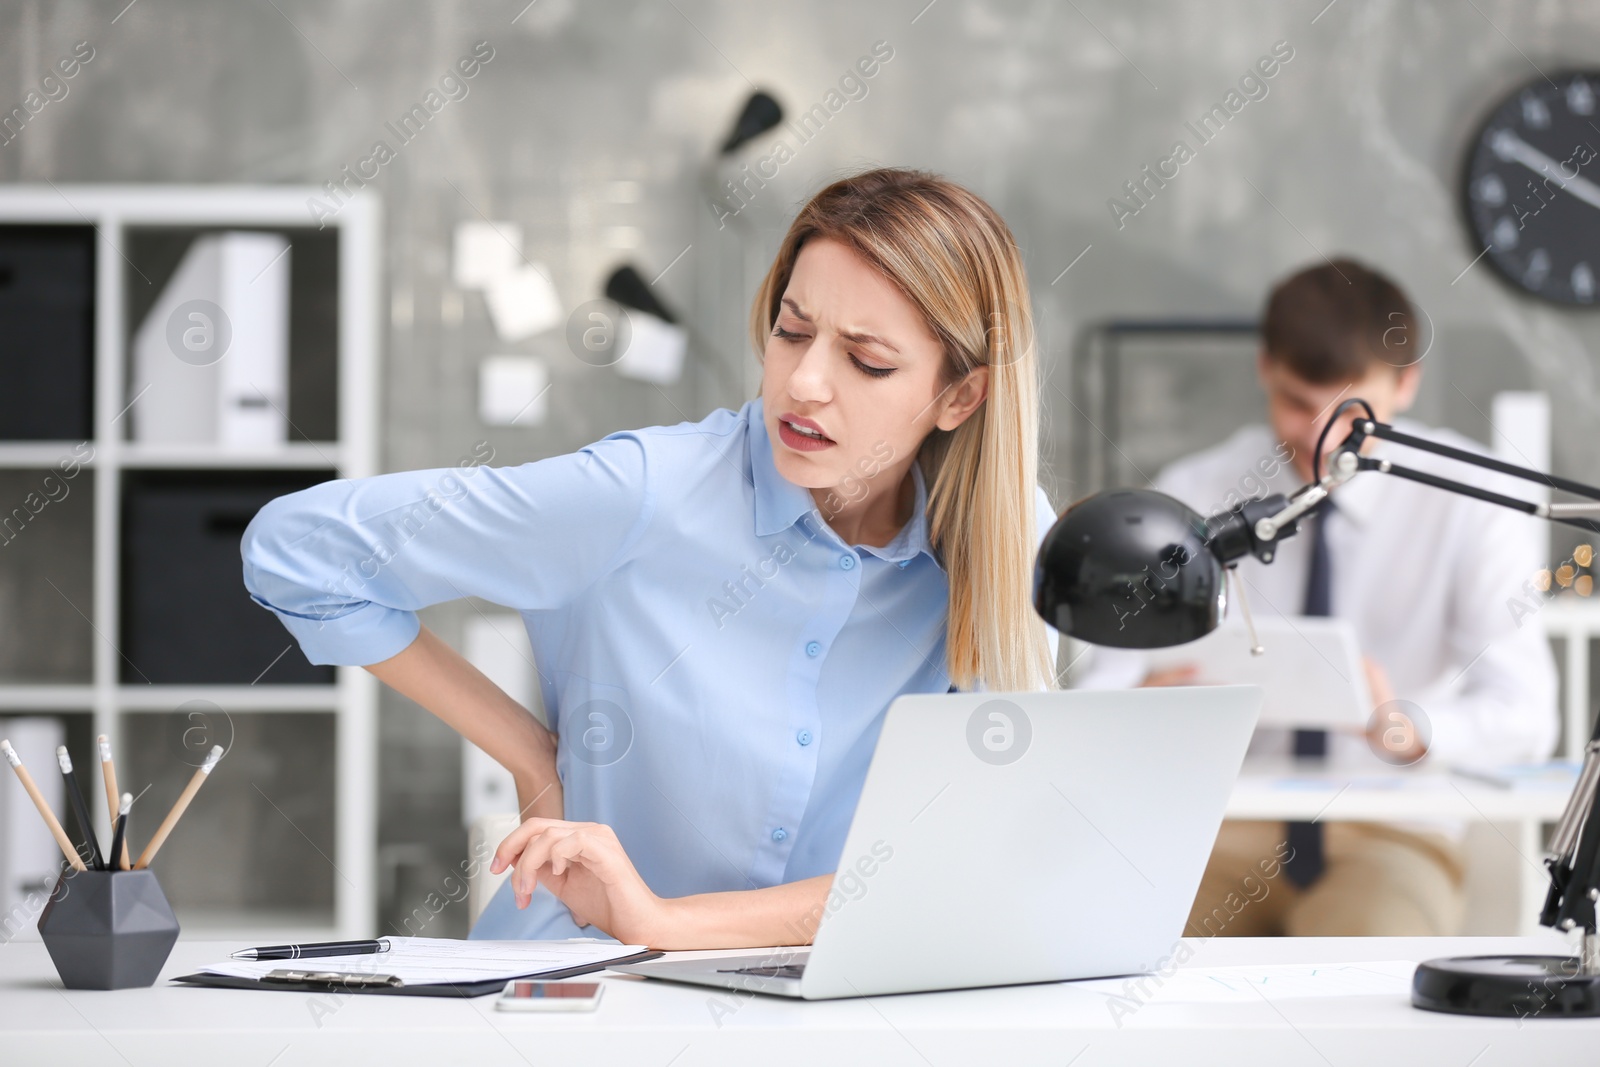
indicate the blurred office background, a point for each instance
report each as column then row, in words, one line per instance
column 595, row 132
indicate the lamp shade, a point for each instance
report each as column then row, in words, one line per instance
column 1129, row 568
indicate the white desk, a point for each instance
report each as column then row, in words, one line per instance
column 654, row 1024
column 1506, row 879
column 1279, row 789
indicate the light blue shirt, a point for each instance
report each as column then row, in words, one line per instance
column 715, row 660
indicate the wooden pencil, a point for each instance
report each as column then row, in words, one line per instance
column 45, row 813
column 178, row 807
column 108, row 771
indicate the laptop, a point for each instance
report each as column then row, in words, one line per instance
column 1006, row 838
column 1309, row 670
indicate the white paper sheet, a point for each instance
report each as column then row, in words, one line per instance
column 485, row 251
column 523, row 302
column 513, row 390
column 655, row 350
column 434, row 960
column 1311, row 670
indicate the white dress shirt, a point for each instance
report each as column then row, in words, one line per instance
column 1426, row 578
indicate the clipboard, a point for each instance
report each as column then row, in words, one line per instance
column 311, row 980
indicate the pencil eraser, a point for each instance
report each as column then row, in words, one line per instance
column 64, row 759
column 211, row 759
column 11, row 753
column 105, row 748
column 127, row 802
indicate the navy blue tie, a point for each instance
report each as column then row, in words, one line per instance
column 1305, row 838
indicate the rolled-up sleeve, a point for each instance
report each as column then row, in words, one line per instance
column 346, row 564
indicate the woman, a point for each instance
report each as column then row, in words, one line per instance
column 722, row 611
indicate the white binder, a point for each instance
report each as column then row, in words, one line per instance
column 211, row 359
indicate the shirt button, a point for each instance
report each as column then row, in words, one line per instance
column 903, row 564
column 804, row 737
column 847, row 562
column 813, row 649
column 779, row 834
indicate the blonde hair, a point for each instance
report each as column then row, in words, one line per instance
column 957, row 262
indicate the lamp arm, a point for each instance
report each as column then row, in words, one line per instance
column 1255, row 527
column 1583, row 516
column 1574, row 854
column 1253, row 531
column 1527, row 507
column 1574, row 857
column 1566, row 485
column 1284, row 522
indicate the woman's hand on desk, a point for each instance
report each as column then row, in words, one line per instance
column 584, row 866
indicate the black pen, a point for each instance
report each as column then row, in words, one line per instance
column 321, row 948
column 75, row 795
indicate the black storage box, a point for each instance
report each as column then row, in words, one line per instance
column 46, row 333
column 186, row 615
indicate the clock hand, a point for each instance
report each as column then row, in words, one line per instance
column 1513, row 149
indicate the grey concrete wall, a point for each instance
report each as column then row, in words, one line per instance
column 592, row 125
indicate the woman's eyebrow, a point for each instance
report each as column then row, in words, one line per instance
column 858, row 338
column 870, row 339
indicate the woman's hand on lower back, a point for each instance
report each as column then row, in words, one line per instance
column 439, row 678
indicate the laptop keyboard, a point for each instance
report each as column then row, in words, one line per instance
column 782, row 970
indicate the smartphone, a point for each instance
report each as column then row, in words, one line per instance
column 520, row 995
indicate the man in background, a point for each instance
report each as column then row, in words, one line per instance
column 1423, row 576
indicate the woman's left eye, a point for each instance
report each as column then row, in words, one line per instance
column 876, row 372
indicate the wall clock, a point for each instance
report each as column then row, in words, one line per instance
column 1532, row 188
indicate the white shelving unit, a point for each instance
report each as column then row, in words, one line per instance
column 1574, row 622
column 112, row 210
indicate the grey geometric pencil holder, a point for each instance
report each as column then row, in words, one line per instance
column 108, row 929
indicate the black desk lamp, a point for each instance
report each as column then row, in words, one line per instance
column 1134, row 568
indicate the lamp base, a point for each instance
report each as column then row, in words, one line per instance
column 1510, row 986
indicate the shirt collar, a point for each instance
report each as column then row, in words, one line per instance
column 780, row 503
column 913, row 536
